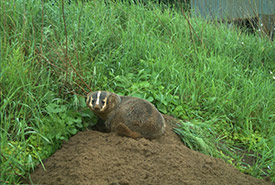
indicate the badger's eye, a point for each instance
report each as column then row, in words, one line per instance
column 103, row 102
column 93, row 101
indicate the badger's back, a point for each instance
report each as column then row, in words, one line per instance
column 140, row 116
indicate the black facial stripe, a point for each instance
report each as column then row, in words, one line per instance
column 103, row 95
column 94, row 96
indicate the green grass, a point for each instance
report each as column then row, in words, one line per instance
column 217, row 80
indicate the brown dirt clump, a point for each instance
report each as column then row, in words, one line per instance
column 93, row 157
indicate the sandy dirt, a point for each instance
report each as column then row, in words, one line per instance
column 93, row 157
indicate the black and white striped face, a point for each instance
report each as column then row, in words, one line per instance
column 97, row 101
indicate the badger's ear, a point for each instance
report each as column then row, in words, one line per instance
column 113, row 99
column 108, row 98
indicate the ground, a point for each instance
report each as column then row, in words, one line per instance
column 94, row 157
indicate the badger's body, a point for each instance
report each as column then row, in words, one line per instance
column 127, row 116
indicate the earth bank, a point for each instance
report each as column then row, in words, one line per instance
column 94, row 157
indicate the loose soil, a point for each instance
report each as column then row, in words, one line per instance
column 94, row 157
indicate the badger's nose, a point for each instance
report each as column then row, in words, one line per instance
column 96, row 107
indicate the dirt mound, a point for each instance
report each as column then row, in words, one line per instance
column 93, row 157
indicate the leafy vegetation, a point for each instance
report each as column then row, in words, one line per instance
column 216, row 79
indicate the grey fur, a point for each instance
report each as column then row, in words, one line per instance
column 129, row 116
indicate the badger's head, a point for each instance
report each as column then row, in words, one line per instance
column 102, row 101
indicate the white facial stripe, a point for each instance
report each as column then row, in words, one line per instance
column 97, row 98
column 105, row 104
column 90, row 103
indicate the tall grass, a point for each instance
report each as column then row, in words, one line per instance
column 215, row 77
